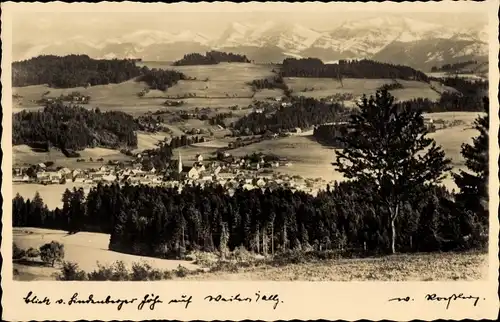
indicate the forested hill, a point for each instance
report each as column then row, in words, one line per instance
column 73, row 71
column 73, row 127
column 313, row 67
column 211, row 58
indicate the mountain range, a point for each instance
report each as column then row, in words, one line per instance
column 394, row 39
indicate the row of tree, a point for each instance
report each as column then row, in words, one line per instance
column 313, row 67
column 160, row 79
column 453, row 67
column 304, row 112
column 72, row 71
column 275, row 82
column 210, row 58
column 73, row 127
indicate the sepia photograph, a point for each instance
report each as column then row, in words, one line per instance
column 274, row 144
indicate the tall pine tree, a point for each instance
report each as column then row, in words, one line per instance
column 387, row 145
column 473, row 184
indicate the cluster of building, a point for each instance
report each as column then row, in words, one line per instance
column 229, row 172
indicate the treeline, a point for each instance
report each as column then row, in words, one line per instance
column 161, row 222
column 211, row 58
column 313, row 67
column 73, row 127
column 303, row 113
column 161, row 79
column 72, row 71
column 468, row 98
column 330, row 134
column 276, row 82
column 453, row 67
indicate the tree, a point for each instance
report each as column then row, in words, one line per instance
column 52, row 252
column 388, row 147
column 473, row 184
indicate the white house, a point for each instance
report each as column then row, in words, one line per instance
column 24, row 178
column 193, row 173
column 199, row 158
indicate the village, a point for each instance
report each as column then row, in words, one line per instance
column 249, row 172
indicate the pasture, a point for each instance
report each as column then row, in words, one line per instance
column 24, row 155
column 310, row 159
column 50, row 194
column 85, row 249
column 401, row 267
column 323, row 87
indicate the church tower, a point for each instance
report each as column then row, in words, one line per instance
column 180, row 163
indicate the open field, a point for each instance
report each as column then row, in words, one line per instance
column 323, row 87
column 85, row 249
column 467, row 266
column 404, row 267
column 311, row 159
column 51, row 194
column 217, row 81
column 23, row 154
column 146, row 141
column 226, row 86
column 121, row 97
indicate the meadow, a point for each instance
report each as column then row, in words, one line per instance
column 466, row 266
column 85, row 249
column 400, row 267
column 323, row 87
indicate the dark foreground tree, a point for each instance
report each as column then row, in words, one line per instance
column 388, row 147
column 473, row 184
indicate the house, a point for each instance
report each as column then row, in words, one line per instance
column 217, row 170
column 193, row 173
column 260, row 183
column 286, row 104
column 42, row 176
column 259, row 110
column 24, row 178
column 79, row 178
column 199, row 158
column 66, row 173
column 109, row 178
column 42, row 165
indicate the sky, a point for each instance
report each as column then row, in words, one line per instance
column 39, row 26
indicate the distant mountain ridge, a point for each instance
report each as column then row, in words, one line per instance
column 392, row 39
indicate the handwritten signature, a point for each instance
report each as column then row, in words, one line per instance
column 436, row 298
column 149, row 300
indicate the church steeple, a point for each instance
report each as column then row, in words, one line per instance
column 180, row 163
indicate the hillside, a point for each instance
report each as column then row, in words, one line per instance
column 367, row 69
column 72, row 71
column 73, row 128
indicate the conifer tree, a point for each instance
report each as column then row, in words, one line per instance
column 473, row 184
column 387, row 145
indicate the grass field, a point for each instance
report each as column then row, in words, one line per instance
column 24, row 155
column 323, row 87
column 400, row 267
column 85, row 249
column 51, row 194
column 405, row 267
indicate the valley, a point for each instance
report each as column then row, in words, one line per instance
column 239, row 131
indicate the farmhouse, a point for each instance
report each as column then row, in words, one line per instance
column 24, row 178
